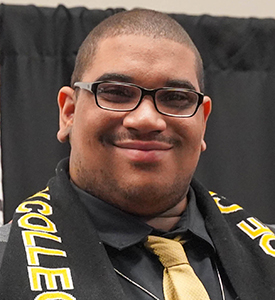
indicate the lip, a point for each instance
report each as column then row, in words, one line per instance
column 143, row 151
column 144, row 145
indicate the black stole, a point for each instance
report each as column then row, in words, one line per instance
column 73, row 266
column 54, row 251
column 245, row 246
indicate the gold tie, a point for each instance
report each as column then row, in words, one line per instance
column 179, row 279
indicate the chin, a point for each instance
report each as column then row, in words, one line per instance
column 148, row 200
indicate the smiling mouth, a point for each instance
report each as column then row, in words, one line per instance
column 143, row 151
column 144, row 145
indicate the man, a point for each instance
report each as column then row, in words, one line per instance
column 135, row 116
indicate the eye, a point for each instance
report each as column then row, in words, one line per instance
column 177, row 98
column 116, row 93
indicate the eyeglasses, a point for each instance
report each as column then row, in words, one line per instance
column 122, row 97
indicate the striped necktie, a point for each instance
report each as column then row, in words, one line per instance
column 179, row 279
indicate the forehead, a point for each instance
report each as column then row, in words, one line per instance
column 150, row 62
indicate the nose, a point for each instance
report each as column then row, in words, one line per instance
column 145, row 118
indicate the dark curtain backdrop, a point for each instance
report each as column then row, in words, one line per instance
column 38, row 49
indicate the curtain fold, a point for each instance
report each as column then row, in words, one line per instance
column 38, row 48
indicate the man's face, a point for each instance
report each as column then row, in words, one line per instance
column 140, row 161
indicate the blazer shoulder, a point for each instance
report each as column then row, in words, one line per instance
column 271, row 227
column 4, row 236
column 5, row 232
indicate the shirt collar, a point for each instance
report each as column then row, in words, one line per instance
column 115, row 227
column 120, row 230
column 193, row 221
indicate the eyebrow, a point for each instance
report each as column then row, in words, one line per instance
column 115, row 77
column 177, row 83
column 186, row 84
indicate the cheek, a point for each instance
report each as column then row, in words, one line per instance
column 188, row 155
column 90, row 125
column 191, row 132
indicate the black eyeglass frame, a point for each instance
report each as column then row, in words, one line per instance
column 92, row 87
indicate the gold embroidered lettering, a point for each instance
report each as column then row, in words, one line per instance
column 55, row 296
column 28, row 237
column 253, row 232
column 23, row 222
column 33, row 251
column 259, row 230
column 225, row 209
column 42, row 194
column 265, row 243
column 47, row 209
column 32, row 254
column 35, row 274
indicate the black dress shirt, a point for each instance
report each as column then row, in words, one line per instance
column 140, row 271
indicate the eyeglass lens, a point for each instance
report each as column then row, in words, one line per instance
column 125, row 97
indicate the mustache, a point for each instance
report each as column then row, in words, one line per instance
column 126, row 136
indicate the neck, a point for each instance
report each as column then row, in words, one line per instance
column 168, row 220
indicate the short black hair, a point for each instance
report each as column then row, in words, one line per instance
column 139, row 22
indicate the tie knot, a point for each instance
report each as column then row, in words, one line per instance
column 170, row 252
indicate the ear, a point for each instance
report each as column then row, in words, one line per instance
column 66, row 102
column 207, row 107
